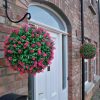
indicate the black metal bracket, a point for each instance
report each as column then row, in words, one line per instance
column 6, row 11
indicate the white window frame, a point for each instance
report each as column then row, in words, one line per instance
column 86, row 61
column 39, row 23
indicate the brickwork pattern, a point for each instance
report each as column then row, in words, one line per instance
column 13, row 82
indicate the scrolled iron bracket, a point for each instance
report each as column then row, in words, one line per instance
column 6, row 12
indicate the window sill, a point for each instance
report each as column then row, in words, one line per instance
column 92, row 9
column 88, row 87
column 96, row 78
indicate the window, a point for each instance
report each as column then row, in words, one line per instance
column 64, row 63
column 45, row 16
column 86, row 70
column 94, row 65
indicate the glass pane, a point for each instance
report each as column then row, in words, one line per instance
column 64, row 64
column 86, row 72
column 45, row 16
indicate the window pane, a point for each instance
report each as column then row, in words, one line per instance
column 86, row 71
column 45, row 16
column 64, row 64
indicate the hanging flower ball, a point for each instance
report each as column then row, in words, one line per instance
column 29, row 49
column 87, row 51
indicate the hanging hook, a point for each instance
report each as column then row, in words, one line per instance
column 6, row 7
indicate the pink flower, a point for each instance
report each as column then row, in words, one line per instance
column 32, row 45
column 31, row 51
column 26, row 27
column 15, row 45
column 38, row 43
column 40, row 63
column 33, row 58
column 35, row 64
column 45, row 35
column 27, row 67
column 18, row 69
column 21, row 73
column 15, row 31
column 44, row 54
column 37, row 35
column 32, row 35
column 49, row 61
column 6, row 40
column 21, row 63
column 10, row 58
column 31, row 68
column 40, row 30
column 23, row 37
column 26, row 45
column 19, row 42
column 39, row 52
column 48, row 43
column 19, row 51
column 9, row 51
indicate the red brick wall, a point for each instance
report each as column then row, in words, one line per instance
column 72, row 10
column 10, row 81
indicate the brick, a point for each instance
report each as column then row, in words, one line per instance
column 2, row 71
column 11, row 71
column 2, row 90
column 2, row 37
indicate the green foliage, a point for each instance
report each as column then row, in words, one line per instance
column 88, row 50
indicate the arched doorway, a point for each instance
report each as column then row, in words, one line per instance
column 52, row 84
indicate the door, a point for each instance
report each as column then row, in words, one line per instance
column 48, row 84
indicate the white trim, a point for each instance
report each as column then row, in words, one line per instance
column 87, row 70
column 47, row 27
column 42, row 5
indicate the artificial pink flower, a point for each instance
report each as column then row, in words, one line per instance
column 27, row 67
column 45, row 35
column 49, row 61
column 21, row 73
column 40, row 30
column 33, row 58
column 18, row 69
column 21, row 63
column 48, row 43
column 38, row 43
column 10, row 58
column 15, row 45
column 23, row 37
column 19, row 42
column 31, row 51
column 31, row 68
column 15, row 31
column 9, row 51
column 32, row 35
column 37, row 35
column 32, row 45
column 19, row 51
column 39, row 52
column 35, row 63
column 44, row 54
column 26, row 27
column 26, row 44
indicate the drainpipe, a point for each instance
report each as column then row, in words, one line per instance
column 99, row 30
column 82, row 37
